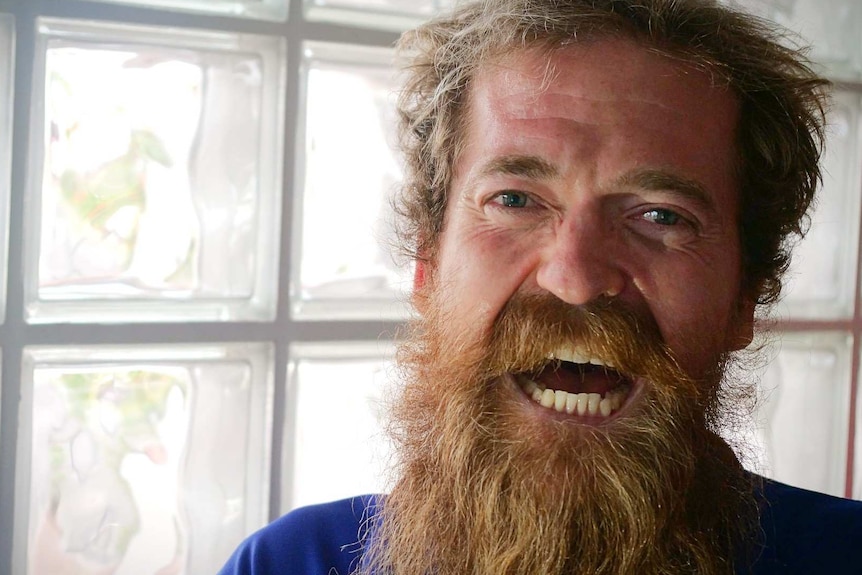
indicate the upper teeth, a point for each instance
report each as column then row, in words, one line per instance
column 578, row 355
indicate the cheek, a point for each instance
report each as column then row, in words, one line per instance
column 481, row 268
column 695, row 312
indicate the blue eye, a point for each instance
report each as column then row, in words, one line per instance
column 513, row 199
column 662, row 217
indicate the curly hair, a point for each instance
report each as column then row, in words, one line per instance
column 782, row 102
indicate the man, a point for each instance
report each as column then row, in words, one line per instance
column 599, row 195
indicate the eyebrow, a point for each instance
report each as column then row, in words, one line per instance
column 664, row 181
column 651, row 179
column 530, row 167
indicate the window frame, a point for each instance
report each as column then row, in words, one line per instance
column 17, row 333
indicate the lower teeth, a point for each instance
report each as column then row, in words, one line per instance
column 576, row 403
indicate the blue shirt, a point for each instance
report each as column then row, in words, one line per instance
column 803, row 532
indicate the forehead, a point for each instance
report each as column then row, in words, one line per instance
column 612, row 103
column 612, row 78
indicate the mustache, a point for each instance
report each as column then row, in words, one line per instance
column 532, row 327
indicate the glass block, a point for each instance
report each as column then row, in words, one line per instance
column 7, row 93
column 141, row 460
column 821, row 280
column 801, row 427
column 333, row 441
column 831, row 27
column 347, row 173
column 257, row 9
column 383, row 14
column 156, row 184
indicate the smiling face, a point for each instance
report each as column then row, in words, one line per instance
column 613, row 176
column 592, row 219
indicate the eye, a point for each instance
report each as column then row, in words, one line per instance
column 662, row 217
column 510, row 199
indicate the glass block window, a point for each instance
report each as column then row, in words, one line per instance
column 155, row 157
column 347, row 174
column 258, row 9
column 390, row 14
column 807, row 425
column 829, row 26
column 142, row 459
column 821, row 280
column 328, row 385
column 808, row 380
column 7, row 81
column 159, row 173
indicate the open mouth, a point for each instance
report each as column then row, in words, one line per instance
column 575, row 383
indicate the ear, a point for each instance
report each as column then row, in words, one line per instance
column 419, row 275
column 742, row 334
column 422, row 279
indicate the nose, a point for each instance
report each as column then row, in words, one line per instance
column 582, row 262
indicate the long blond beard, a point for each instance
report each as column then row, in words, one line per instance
column 485, row 489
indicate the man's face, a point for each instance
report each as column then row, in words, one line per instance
column 593, row 211
column 609, row 173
